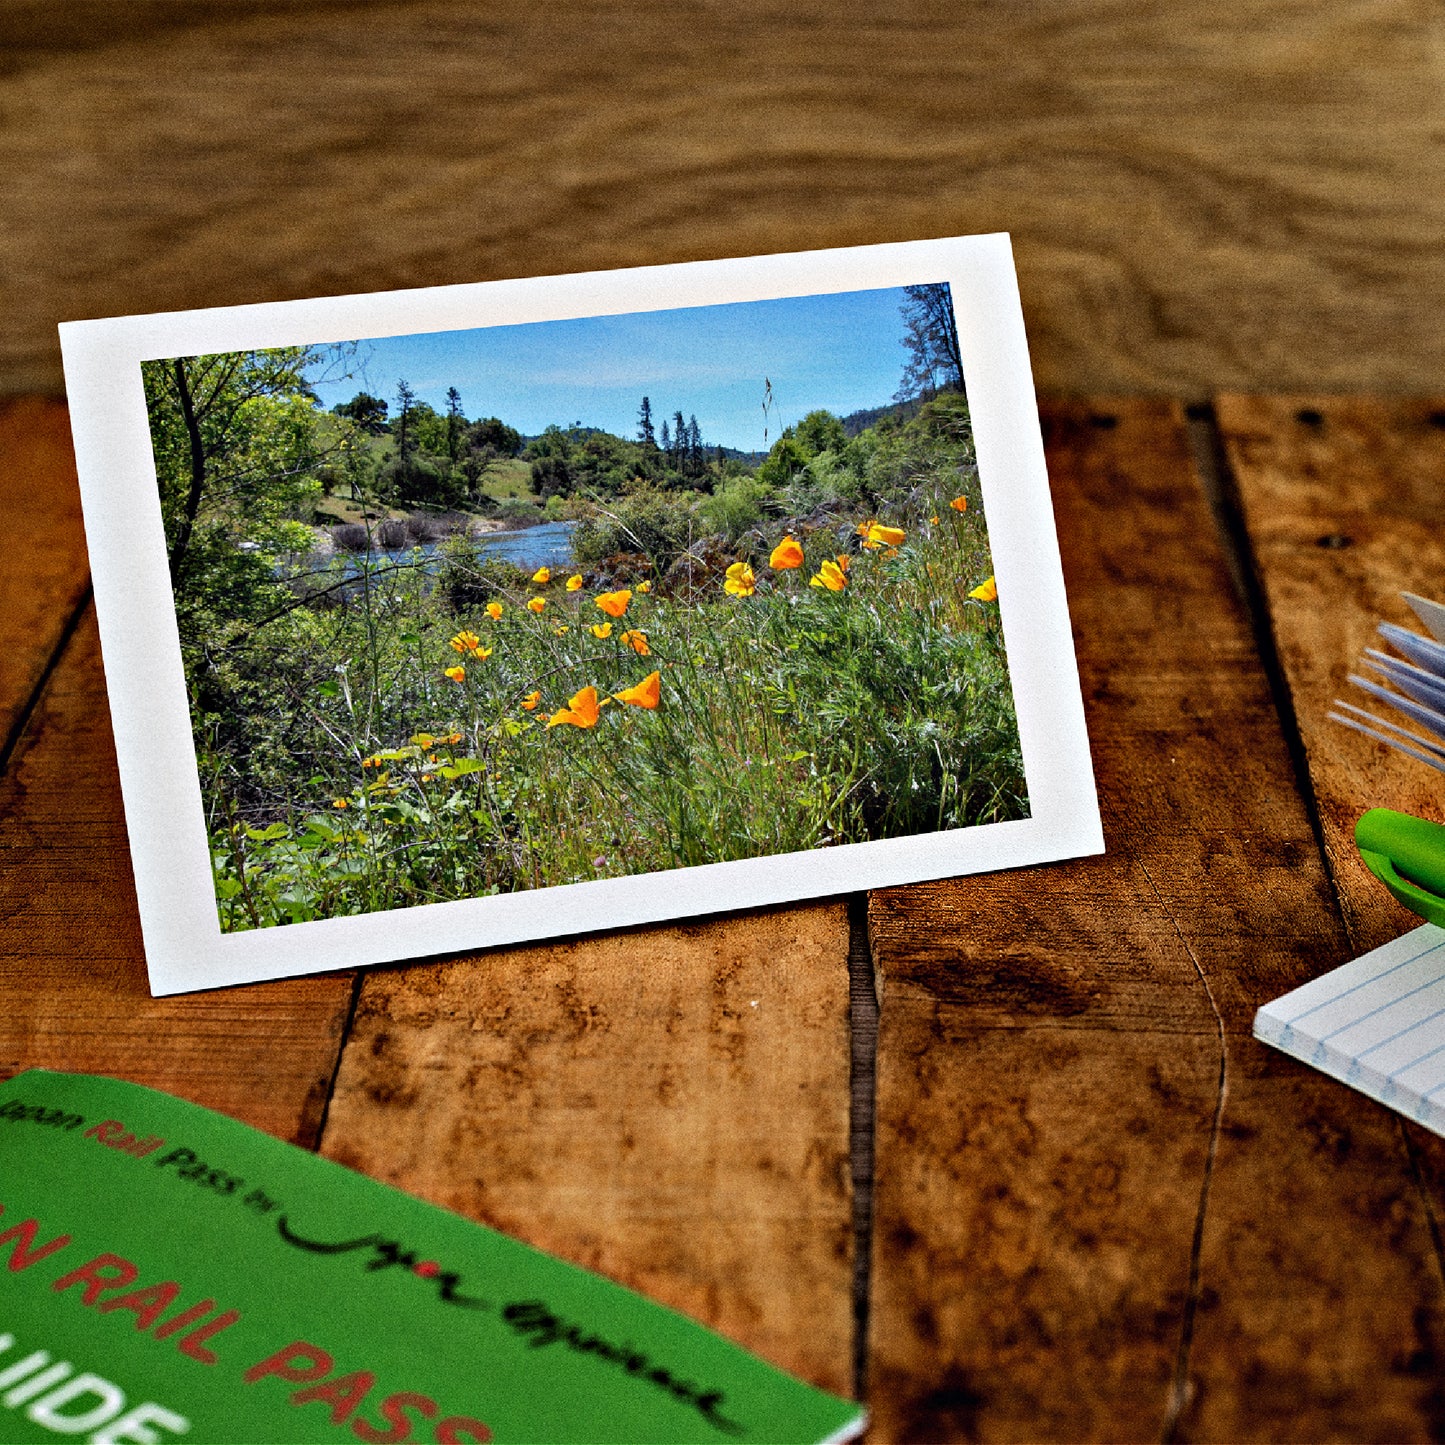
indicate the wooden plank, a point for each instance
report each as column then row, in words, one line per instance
column 1201, row 196
column 1344, row 508
column 669, row 1107
column 72, row 978
column 1344, row 502
column 48, row 574
column 1068, row 1243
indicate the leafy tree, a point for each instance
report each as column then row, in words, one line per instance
column 367, row 411
column 505, row 441
column 820, row 431
column 236, row 446
column 786, row 461
column 934, row 361
column 429, row 429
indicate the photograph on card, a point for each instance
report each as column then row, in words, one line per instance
column 471, row 612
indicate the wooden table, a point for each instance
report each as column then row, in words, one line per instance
column 1083, row 1203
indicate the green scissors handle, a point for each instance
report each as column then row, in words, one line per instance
column 1407, row 855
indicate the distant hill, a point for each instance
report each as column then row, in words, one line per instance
column 857, row 421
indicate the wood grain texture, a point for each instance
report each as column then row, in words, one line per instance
column 1068, row 1243
column 48, row 576
column 1201, row 196
column 73, row 992
column 669, row 1107
column 1343, row 500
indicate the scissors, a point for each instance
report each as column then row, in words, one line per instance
column 1407, row 855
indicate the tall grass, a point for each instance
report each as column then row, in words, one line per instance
column 793, row 718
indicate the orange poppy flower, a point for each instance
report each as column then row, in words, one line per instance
column 536, row 604
column 614, row 604
column 636, row 639
column 494, row 611
column 602, row 629
column 844, row 561
column 644, row 586
column 529, row 703
column 881, row 536
column 788, row 553
column 457, row 674
column 464, row 642
column 741, row 582
column 647, row 693
column 582, row 710
column 574, row 582
column 339, row 803
column 986, row 591
column 542, row 576
column 829, row 575
column 959, row 504
column 933, row 521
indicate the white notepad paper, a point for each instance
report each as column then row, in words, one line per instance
column 1377, row 1024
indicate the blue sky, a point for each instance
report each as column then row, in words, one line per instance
column 842, row 352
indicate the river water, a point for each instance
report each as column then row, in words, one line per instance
column 549, row 544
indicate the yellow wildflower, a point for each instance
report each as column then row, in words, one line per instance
column 536, row 604
column 531, row 700
column 829, row 575
column 614, row 604
column 494, row 611
column 740, row 580
column 788, row 553
column 602, row 629
column 933, row 521
column 879, row 535
column 574, row 582
column 644, row 586
column 986, row 591
column 457, row 674
column 464, row 641
column 542, row 576
column 646, row 694
column 339, row 803
column 636, row 639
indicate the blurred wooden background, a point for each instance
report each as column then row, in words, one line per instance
column 1203, row 197
column 1233, row 197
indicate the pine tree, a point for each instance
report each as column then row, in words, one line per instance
column 934, row 361
column 645, row 433
column 405, row 400
column 666, row 441
column 694, row 444
column 455, row 422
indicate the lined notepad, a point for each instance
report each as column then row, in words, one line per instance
column 1377, row 1024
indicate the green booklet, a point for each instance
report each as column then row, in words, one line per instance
column 169, row 1273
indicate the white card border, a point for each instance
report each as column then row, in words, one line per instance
column 185, row 948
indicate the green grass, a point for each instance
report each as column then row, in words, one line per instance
column 510, row 477
column 790, row 719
